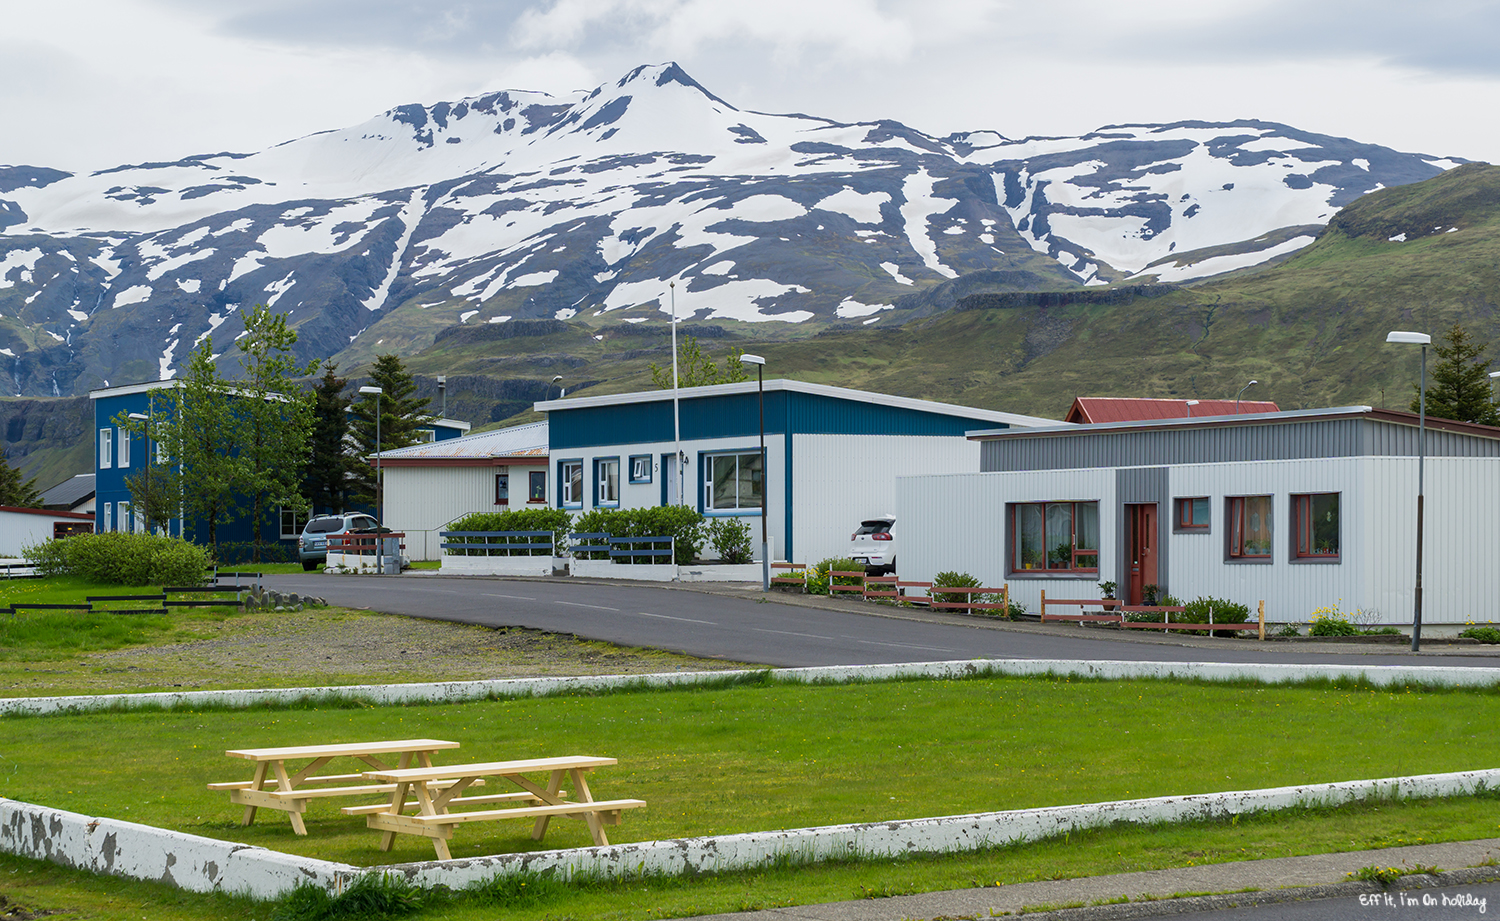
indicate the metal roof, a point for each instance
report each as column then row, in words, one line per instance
column 1127, row 409
column 71, row 491
column 1397, row 416
column 840, row 393
column 528, row 440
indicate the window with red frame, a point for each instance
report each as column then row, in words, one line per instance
column 1055, row 537
column 1315, row 524
column 1192, row 514
column 1249, row 527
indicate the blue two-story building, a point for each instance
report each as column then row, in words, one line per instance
column 118, row 454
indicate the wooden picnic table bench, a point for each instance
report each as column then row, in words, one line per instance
column 289, row 792
column 434, row 820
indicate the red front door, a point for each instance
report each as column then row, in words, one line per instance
column 1141, row 542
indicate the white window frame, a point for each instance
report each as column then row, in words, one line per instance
column 106, row 448
column 707, row 464
column 123, row 437
column 565, row 493
column 127, row 523
column 107, row 517
column 299, row 521
column 607, row 482
column 640, row 468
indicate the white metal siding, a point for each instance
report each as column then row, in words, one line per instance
column 840, row 480
column 957, row 523
column 420, row 501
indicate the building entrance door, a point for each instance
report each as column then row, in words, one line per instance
column 1141, row 542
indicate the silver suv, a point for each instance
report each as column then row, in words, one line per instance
column 312, row 546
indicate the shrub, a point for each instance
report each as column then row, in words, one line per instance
column 683, row 524
column 1151, row 599
column 817, row 576
column 121, row 558
column 240, row 552
column 730, row 538
column 1482, row 634
column 1224, row 612
column 1331, row 622
column 556, row 520
column 1013, row 611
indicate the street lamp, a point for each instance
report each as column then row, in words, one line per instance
column 1238, row 395
column 379, row 493
column 1423, row 340
column 765, row 480
column 560, row 390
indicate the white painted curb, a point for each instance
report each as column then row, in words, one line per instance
column 111, row 847
column 457, row 691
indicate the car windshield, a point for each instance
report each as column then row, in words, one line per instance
column 873, row 527
column 324, row 525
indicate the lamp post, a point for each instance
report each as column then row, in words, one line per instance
column 557, row 379
column 676, row 408
column 379, row 493
column 765, row 480
column 1238, row 395
column 1423, row 340
column 146, row 436
column 443, row 392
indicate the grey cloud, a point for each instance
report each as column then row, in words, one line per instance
column 417, row 25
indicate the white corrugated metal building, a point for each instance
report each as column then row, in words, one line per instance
column 1303, row 510
column 832, row 455
column 429, row 485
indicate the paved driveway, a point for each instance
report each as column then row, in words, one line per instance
column 736, row 623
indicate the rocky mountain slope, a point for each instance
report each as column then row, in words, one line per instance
column 588, row 207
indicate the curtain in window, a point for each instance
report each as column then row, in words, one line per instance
column 1030, row 552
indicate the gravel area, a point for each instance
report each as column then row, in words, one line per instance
column 331, row 646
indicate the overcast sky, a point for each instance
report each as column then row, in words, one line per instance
column 87, row 84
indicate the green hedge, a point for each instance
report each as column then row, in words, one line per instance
column 556, row 520
column 683, row 524
column 121, row 558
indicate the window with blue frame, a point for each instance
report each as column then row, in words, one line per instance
column 606, row 482
column 640, row 468
column 732, row 482
column 570, row 484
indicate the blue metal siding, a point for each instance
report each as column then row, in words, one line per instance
column 815, row 414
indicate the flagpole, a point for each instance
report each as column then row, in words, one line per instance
column 676, row 416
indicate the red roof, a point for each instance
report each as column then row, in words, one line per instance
column 1136, row 409
column 80, row 516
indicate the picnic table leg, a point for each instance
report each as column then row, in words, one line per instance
column 424, row 799
column 553, row 785
column 398, row 806
column 255, row 784
column 583, row 795
column 284, row 783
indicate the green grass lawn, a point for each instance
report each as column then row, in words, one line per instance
column 752, row 758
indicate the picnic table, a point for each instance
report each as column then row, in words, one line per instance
column 274, row 786
column 430, row 792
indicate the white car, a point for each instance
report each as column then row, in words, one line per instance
column 874, row 545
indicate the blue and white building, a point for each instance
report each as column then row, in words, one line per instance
column 832, row 454
column 118, row 454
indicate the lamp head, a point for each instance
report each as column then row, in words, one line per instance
column 1410, row 338
column 142, row 417
column 752, row 359
column 557, row 378
column 374, row 390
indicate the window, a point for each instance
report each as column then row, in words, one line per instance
column 570, row 483
column 127, row 523
column 424, row 436
column 732, row 482
column 537, row 492
column 292, row 523
column 124, row 448
column 107, row 518
column 1192, row 514
column 607, row 481
column 1056, row 537
column 640, row 468
column 106, row 449
column 1315, row 524
column 502, row 489
column 1249, row 520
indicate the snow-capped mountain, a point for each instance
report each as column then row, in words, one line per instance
column 521, row 204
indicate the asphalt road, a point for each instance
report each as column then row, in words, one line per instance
column 735, row 623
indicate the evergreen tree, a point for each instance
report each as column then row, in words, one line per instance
column 1460, row 387
column 695, row 369
column 13, row 491
column 277, row 419
column 401, row 412
column 325, row 479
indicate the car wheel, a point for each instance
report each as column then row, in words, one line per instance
column 309, row 565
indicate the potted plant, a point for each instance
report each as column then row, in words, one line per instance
column 1107, row 591
column 1031, row 558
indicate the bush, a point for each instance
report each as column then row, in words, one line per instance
column 556, row 520
column 964, row 580
column 1155, row 617
column 817, row 576
column 1482, row 634
column 240, row 552
column 1224, row 612
column 730, row 538
column 1330, row 622
column 121, row 558
column 683, row 524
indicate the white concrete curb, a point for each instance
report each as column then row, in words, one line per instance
column 111, row 847
column 457, row 691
